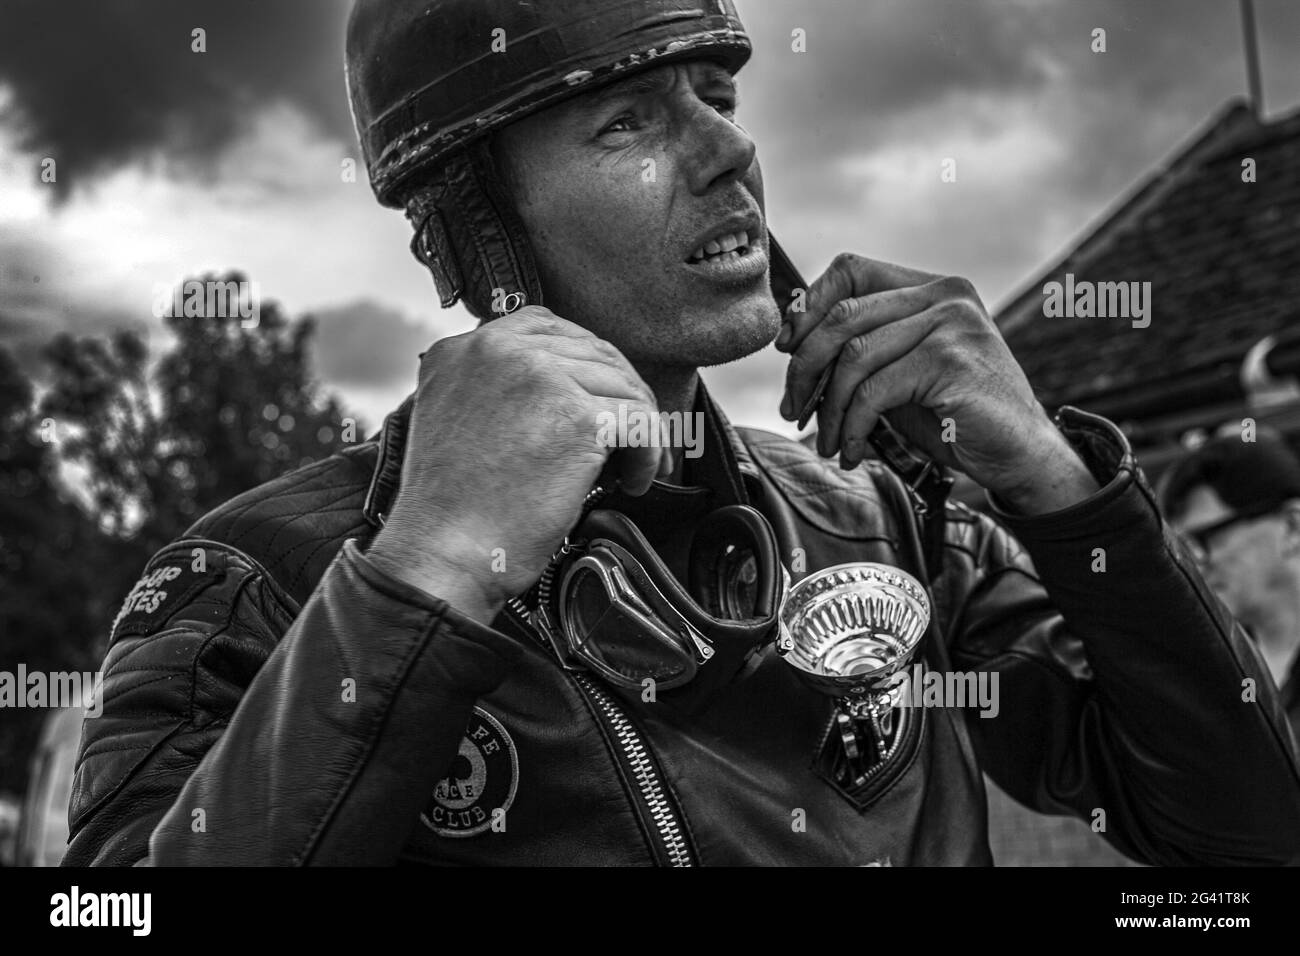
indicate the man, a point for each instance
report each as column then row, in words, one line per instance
column 1238, row 505
column 376, row 660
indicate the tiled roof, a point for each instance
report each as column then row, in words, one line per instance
column 1223, row 260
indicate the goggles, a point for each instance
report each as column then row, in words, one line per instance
column 608, row 603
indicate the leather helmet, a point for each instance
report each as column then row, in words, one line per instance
column 430, row 80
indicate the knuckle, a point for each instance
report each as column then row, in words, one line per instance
column 965, row 288
column 841, row 313
column 539, row 313
column 608, row 351
column 538, row 318
column 958, row 289
column 865, row 393
column 948, row 360
column 855, row 349
column 953, row 311
column 845, row 261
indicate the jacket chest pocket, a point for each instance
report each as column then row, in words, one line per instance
column 863, row 758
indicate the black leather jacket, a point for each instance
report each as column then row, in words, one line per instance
column 272, row 697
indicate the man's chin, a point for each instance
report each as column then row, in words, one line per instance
column 742, row 329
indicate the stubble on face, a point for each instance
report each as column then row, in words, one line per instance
column 611, row 205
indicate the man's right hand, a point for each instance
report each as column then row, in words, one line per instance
column 501, row 452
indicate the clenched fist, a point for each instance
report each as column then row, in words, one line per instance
column 501, row 451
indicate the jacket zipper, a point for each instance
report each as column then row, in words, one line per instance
column 658, row 807
column 655, row 807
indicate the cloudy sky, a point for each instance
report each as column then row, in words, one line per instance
column 170, row 163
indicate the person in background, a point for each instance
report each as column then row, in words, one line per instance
column 1237, row 504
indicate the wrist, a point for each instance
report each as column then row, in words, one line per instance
column 437, row 575
column 1054, row 478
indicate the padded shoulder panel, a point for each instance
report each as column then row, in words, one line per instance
column 846, row 503
column 850, row 503
column 293, row 526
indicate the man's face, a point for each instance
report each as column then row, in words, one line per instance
column 618, row 190
column 1246, row 562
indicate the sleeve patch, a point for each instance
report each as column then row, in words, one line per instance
column 168, row 583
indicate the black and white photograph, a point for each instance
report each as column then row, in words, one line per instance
column 651, row 433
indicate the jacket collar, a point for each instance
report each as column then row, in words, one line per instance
column 732, row 471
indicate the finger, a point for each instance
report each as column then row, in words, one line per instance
column 593, row 348
column 639, row 465
column 601, row 352
column 523, row 332
column 861, row 358
column 848, row 276
column 843, row 322
column 905, row 382
column 564, row 348
column 602, row 380
column 560, row 351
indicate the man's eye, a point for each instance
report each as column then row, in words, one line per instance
column 622, row 124
column 724, row 106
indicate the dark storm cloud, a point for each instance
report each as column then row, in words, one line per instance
column 913, row 79
column 98, row 85
column 872, row 67
column 867, row 63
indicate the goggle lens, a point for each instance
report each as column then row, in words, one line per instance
column 607, row 625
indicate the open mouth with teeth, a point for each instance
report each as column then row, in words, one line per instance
column 733, row 246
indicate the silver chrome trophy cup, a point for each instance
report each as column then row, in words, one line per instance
column 850, row 631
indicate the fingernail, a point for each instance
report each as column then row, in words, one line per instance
column 787, row 332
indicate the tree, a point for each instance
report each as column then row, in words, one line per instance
column 50, row 605
column 226, row 408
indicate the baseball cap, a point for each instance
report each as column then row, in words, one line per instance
column 1249, row 476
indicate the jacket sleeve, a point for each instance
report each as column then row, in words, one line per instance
column 1128, row 695
column 233, row 732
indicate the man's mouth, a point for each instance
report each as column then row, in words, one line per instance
column 736, row 258
column 734, row 245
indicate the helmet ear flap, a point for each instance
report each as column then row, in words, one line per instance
column 470, row 238
column 432, row 245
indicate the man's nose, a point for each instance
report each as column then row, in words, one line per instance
column 719, row 151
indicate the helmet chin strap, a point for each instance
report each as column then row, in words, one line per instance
column 470, row 238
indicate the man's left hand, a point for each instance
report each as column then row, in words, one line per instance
column 923, row 349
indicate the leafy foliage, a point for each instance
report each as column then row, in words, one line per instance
column 224, row 409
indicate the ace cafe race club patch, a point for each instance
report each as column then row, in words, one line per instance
column 479, row 786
